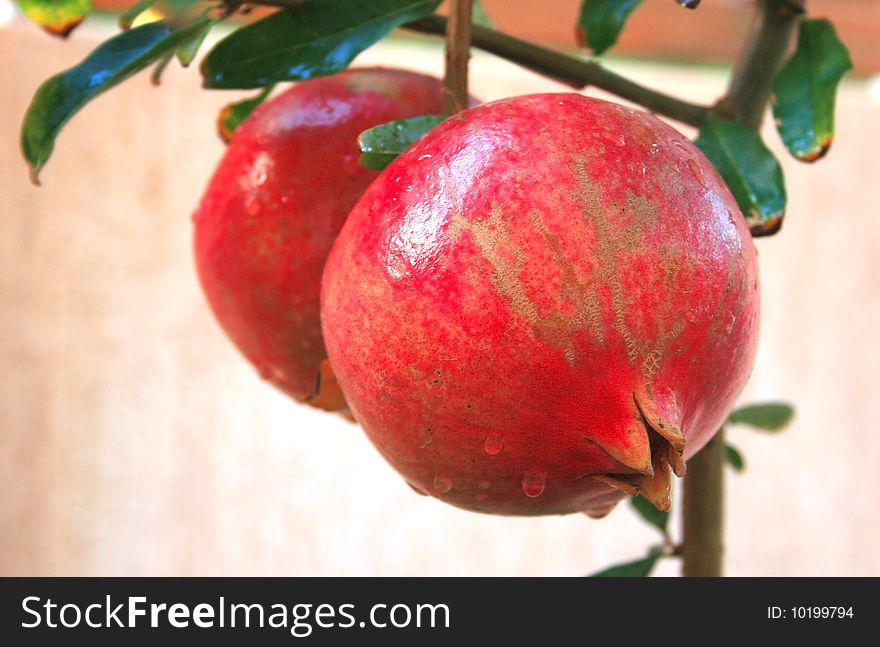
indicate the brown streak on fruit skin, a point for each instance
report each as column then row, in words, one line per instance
column 586, row 303
column 608, row 246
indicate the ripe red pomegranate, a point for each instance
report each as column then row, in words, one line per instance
column 273, row 207
column 544, row 303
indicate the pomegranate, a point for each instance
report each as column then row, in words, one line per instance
column 273, row 207
column 545, row 303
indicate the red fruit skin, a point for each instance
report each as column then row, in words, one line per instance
column 546, row 302
column 274, row 206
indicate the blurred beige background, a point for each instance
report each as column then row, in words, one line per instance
column 134, row 440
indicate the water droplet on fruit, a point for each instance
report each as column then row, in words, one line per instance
column 252, row 205
column 655, row 148
column 426, row 156
column 533, row 483
column 417, row 489
column 692, row 316
column 493, row 445
column 442, row 485
column 351, row 166
column 621, row 141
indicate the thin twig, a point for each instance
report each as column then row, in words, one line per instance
column 751, row 83
column 458, row 53
column 703, row 512
column 572, row 71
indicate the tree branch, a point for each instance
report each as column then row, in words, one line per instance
column 458, row 53
column 703, row 513
column 752, row 81
column 573, row 72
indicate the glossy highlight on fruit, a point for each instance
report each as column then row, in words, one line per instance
column 274, row 206
column 546, row 303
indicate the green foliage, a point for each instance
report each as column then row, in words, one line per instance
column 186, row 52
column 750, row 170
column 58, row 17
column 601, row 21
column 115, row 60
column 480, row 17
column 734, row 458
column 636, row 568
column 232, row 115
column 381, row 144
column 319, row 38
column 769, row 416
column 127, row 17
column 805, row 89
column 650, row 513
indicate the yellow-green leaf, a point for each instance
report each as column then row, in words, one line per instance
column 233, row 114
column 58, row 17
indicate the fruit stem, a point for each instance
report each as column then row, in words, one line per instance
column 574, row 72
column 703, row 513
column 458, row 53
column 751, row 84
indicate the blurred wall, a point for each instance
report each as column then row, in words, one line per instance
column 134, row 440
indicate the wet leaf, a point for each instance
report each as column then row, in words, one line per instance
column 770, row 416
column 650, row 513
column 805, row 89
column 58, row 17
column 601, row 21
column 734, row 458
column 233, row 114
column 64, row 94
column 751, row 171
column 381, row 144
column 319, row 38
column 637, row 568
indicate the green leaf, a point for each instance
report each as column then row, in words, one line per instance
column 601, row 22
column 805, row 89
column 734, row 458
column 64, row 94
column 127, row 17
column 234, row 113
column 58, row 17
column 186, row 52
column 319, row 38
column 637, row 568
column 771, row 416
column 750, row 170
column 480, row 17
column 650, row 513
column 381, row 144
